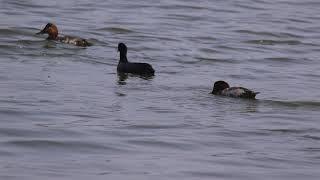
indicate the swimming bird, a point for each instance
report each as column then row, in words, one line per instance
column 135, row 68
column 222, row 88
column 52, row 30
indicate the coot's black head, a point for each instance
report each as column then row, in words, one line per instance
column 219, row 86
column 122, row 48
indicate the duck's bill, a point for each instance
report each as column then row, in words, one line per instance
column 41, row 32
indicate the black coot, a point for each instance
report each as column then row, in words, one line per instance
column 135, row 68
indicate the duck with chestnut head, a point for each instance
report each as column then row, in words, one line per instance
column 53, row 34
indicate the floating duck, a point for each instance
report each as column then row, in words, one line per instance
column 222, row 88
column 52, row 31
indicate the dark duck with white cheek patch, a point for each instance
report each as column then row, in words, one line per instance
column 135, row 68
column 52, row 31
column 222, row 88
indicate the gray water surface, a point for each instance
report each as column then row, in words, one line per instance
column 65, row 114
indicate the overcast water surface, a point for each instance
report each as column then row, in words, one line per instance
column 65, row 114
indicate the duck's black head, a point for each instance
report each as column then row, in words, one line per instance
column 219, row 86
column 122, row 48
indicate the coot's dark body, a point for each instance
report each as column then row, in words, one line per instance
column 135, row 68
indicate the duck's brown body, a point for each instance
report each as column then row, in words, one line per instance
column 73, row 40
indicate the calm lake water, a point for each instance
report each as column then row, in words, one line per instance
column 64, row 113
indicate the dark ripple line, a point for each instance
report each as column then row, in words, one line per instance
column 182, row 7
column 13, row 112
column 309, row 104
column 11, row 31
column 71, row 145
column 178, row 126
column 230, row 61
column 302, row 3
column 26, row 4
column 15, row 132
column 299, row 20
column 280, row 59
column 274, row 42
column 162, row 144
column 184, row 17
column 277, row 35
column 312, row 137
column 251, row 7
column 116, row 30
column 293, row 131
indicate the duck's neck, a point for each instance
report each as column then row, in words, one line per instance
column 123, row 57
column 53, row 37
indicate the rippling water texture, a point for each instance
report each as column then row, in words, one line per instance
column 64, row 113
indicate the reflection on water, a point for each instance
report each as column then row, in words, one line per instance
column 124, row 76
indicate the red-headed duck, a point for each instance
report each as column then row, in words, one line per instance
column 52, row 31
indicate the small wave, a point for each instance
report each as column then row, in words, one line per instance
column 279, row 59
column 12, row 132
column 161, row 144
column 294, row 104
column 211, row 175
column 13, row 112
column 26, row 4
column 242, row 5
column 292, row 131
column 183, row 7
column 152, row 126
column 311, row 137
column 207, row 50
column 269, row 34
column 65, row 145
column 12, row 32
column 15, row 31
column 311, row 149
column 215, row 60
column 183, row 17
column 299, row 3
column 7, row 47
column 116, row 30
column 299, row 20
column 7, row 32
column 273, row 42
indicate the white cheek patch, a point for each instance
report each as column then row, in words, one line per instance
column 235, row 92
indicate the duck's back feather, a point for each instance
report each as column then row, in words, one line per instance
column 74, row 40
column 239, row 92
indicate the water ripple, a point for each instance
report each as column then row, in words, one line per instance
column 66, row 113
